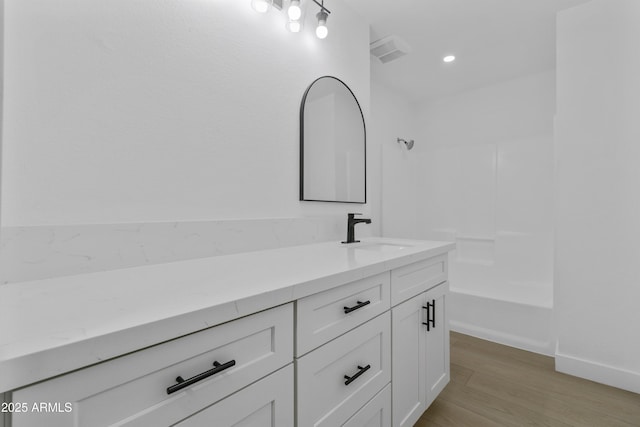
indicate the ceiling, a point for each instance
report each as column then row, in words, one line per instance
column 493, row 41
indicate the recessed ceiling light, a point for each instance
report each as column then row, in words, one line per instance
column 449, row 58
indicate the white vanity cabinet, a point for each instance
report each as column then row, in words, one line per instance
column 420, row 348
column 143, row 389
column 437, row 362
column 326, row 315
column 337, row 379
column 359, row 341
column 398, row 317
column 410, row 280
column 408, row 355
column 349, row 330
column 267, row 403
column 376, row 413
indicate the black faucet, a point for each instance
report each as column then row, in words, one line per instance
column 351, row 224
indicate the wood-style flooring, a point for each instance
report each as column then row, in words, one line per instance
column 495, row 385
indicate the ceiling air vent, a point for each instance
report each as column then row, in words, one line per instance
column 389, row 48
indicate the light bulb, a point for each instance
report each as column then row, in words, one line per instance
column 294, row 10
column 322, row 31
column 294, row 26
column 261, row 6
column 449, row 58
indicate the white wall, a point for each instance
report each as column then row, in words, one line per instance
column 178, row 120
column 597, row 274
column 394, row 117
column 2, row 396
column 1, row 96
column 138, row 111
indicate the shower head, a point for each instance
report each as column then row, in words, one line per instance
column 409, row 143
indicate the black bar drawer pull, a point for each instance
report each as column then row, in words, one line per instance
column 361, row 304
column 362, row 370
column 182, row 383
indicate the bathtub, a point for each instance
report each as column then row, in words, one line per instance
column 502, row 289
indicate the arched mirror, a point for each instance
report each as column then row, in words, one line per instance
column 332, row 144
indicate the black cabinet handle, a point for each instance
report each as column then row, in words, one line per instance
column 182, row 383
column 361, row 304
column 362, row 370
column 428, row 322
column 431, row 315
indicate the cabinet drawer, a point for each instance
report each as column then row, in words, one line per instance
column 415, row 278
column 326, row 315
column 324, row 397
column 376, row 413
column 132, row 390
column 267, row 403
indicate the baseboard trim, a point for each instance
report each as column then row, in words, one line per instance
column 500, row 337
column 598, row 372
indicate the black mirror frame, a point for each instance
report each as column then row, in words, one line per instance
column 364, row 127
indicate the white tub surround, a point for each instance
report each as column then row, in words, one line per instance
column 487, row 186
column 63, row 324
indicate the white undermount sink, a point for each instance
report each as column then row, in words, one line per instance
column 379, row 247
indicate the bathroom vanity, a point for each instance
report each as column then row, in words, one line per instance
column 316, row 335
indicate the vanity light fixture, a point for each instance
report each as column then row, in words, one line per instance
column 294, row 26
column 294, row 14
column 321, row 30
column 294, row 10
column 260, row 6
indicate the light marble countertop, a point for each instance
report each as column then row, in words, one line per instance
column 52, row 326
